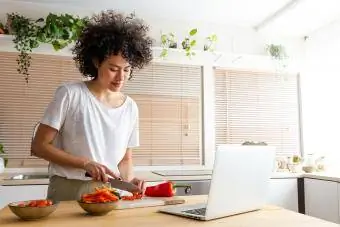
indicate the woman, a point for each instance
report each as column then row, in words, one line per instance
column 91, row 126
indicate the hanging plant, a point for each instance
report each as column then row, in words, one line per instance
column 57, row 30
column 25, row 33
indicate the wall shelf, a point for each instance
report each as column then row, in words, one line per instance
column 177, row 56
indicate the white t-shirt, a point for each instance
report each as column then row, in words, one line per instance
column 88, row 128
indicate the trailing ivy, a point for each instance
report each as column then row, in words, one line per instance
column 57, row 30
column 25, row 33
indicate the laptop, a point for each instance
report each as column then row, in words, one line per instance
column 239, row 184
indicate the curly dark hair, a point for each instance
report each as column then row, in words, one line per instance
column 110, row 33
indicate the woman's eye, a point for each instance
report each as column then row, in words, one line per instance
column 114, row 70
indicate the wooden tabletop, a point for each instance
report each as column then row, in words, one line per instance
column 70, row 214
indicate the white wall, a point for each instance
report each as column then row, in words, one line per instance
column 233, row 39
column 320, row 85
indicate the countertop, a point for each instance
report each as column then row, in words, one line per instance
column 70, row 214
column 156, row 176
column 149, row 176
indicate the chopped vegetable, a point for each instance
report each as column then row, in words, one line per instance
column 37, row 203
column 133, row 197
column 100, row 195
column 166, row 189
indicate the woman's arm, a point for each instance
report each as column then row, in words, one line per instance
column 126, row 166
column 42, row 147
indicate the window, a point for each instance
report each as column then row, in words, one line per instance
column 168, row 96
column 257, row 106
column 169, row 100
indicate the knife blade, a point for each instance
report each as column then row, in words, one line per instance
column 123, row 185
column 120, row 184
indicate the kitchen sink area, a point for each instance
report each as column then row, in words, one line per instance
column 198, row 187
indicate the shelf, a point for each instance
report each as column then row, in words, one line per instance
column 177, row 56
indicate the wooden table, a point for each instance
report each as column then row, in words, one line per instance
column 70, row 214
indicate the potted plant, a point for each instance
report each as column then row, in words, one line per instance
column 278, row 54
column 189, row 42
column 295, row 164
column 210, row 43
column 168, row 41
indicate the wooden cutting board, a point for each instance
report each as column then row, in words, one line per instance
column 149, row 202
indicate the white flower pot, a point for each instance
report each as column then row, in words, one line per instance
column 2, row 165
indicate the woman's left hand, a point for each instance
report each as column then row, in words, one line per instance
column 140, row 183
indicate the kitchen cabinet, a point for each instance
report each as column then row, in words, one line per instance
column 321, row 199
column 21, row 192
column 283, row 192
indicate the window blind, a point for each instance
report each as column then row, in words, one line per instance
column 257, row 106
column 169, row 100
column 22, row 105
column 168, row 96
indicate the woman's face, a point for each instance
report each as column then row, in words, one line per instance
column 113, row 72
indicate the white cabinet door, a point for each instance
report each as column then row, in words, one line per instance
column 19, row 193
column 283, row 192
column 321, row 199
column 2, row 198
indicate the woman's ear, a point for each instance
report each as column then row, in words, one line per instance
column 95, row 62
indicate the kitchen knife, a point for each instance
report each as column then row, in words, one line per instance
column 122, row 185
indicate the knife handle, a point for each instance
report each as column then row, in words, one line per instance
column 88, row 175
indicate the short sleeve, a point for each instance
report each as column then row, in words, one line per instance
column 134, row 137
column 56, row 110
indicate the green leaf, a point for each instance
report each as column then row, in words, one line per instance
column 193, row 32
column 193, row 43
column 164, row 53
column 59, row 44
column 164, row 39
column 34, row 44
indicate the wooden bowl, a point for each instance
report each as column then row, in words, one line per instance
column 98, row 209
column 31, row 213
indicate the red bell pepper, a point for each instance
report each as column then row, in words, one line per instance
column 166, row 189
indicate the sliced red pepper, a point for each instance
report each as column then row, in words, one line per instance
column 166, row 189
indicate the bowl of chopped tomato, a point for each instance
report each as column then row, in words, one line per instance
column 99, row 202
column 33, row 209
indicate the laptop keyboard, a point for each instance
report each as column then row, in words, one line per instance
column 199, row 211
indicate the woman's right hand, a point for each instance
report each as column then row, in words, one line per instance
column 98, row 171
